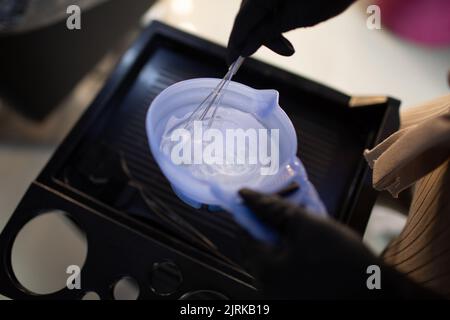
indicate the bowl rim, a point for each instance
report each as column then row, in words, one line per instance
column 288, row 167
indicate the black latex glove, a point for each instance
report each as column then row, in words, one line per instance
column 262, row 22
column 316, row 258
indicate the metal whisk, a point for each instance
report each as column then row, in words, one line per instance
column 214, row 98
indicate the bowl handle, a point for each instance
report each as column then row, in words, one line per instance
column 306, row 196
column 247, row 219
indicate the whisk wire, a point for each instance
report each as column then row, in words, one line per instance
column 214, row 97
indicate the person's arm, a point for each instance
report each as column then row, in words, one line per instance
column 316, row 258
column 262, row 22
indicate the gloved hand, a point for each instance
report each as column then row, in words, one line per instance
column 316, row 258
column 262, row 22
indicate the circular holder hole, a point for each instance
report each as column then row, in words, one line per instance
column 165, row 278
column 91, row 295
column 203, row 295
column 44, row 248
column 126, row 289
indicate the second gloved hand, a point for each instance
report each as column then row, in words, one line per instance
column 262, row 22
column 316, row 257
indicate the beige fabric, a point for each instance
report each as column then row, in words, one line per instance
column 419, row 155
column 421, row 145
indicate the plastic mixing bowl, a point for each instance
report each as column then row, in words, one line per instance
column 243, row 108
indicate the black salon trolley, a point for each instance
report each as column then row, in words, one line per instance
column 104, row 177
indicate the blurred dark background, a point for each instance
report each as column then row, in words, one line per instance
column 42, row 64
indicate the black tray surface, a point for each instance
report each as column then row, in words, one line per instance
column 105, row 165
